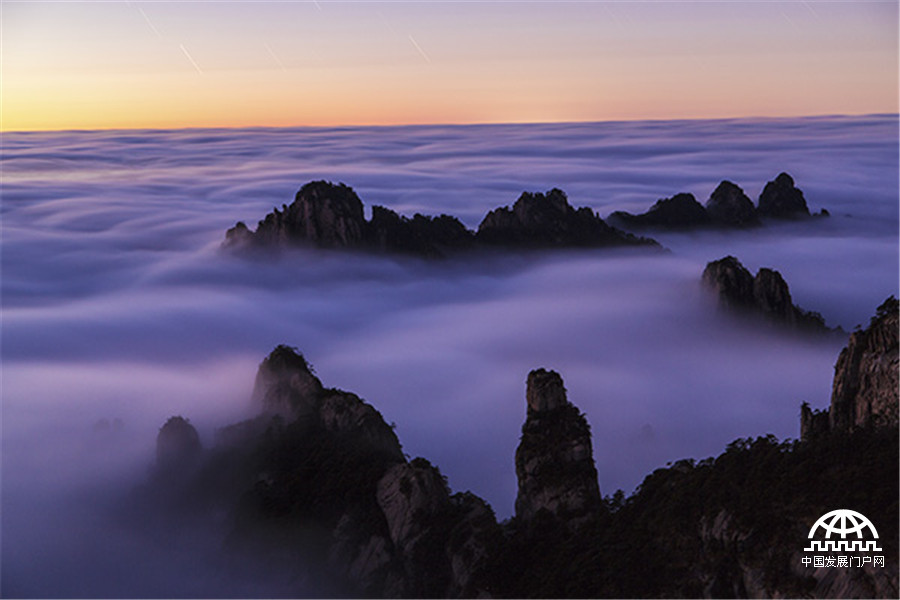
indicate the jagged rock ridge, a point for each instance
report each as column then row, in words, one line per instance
column 766, row 295
column 548, row 221
column 728, row 206
column 320, row 479
column 325, row 215
column 865, row 388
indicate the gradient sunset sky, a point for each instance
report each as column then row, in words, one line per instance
column 88, row 65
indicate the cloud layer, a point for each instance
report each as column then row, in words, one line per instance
column 117, row 305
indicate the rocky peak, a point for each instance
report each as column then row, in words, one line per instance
column 424, row 236
column 238, row 236
column 544, row 391
column 532, row 214
column 729, row 205
column 766, row 295
column 866, row 374
column 731, row 281
column 323, row 214
column 177, row 445
column 548, row 221
column 534, row 207
column 782, row 199
column 772, row 296
column 554, row 460
column 681, row 211
column 285, row 384
column 327, row 215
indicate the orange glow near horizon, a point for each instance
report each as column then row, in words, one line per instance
column 170, row 65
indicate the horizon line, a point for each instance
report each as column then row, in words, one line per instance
column 458, row 124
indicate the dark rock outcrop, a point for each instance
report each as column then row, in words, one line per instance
column 319, row 480
column 813, row 423
column 554, row 460
column 731, row 281
column 286, row 387
column 177, row 445
column 431, row 237
column 729, row 206
column 549, row 221
column 324, row 215
column 317, row 488
column 285, row 384
column 681, row 211
column 782, row 199
column 766, row 295
column 329, row 216
column 865, row 390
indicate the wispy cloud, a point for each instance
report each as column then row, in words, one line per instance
column 149, row 22
column 419, row 48
column 274, row 56
column 191, row 58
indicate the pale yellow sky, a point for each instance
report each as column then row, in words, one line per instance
column 226, row 64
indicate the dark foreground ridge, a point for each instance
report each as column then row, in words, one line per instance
column 325, row 215
column 728, row 207
column 317, row 488
column 764, row 296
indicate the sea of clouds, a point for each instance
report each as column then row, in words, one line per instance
column 117, row 304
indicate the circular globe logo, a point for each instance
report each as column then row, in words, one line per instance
column 837, row 526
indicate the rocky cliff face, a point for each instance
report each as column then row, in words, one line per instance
column 554, row 460
column 324, row 215
column 441, row 540
column 766, row 295
column 865, row 390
